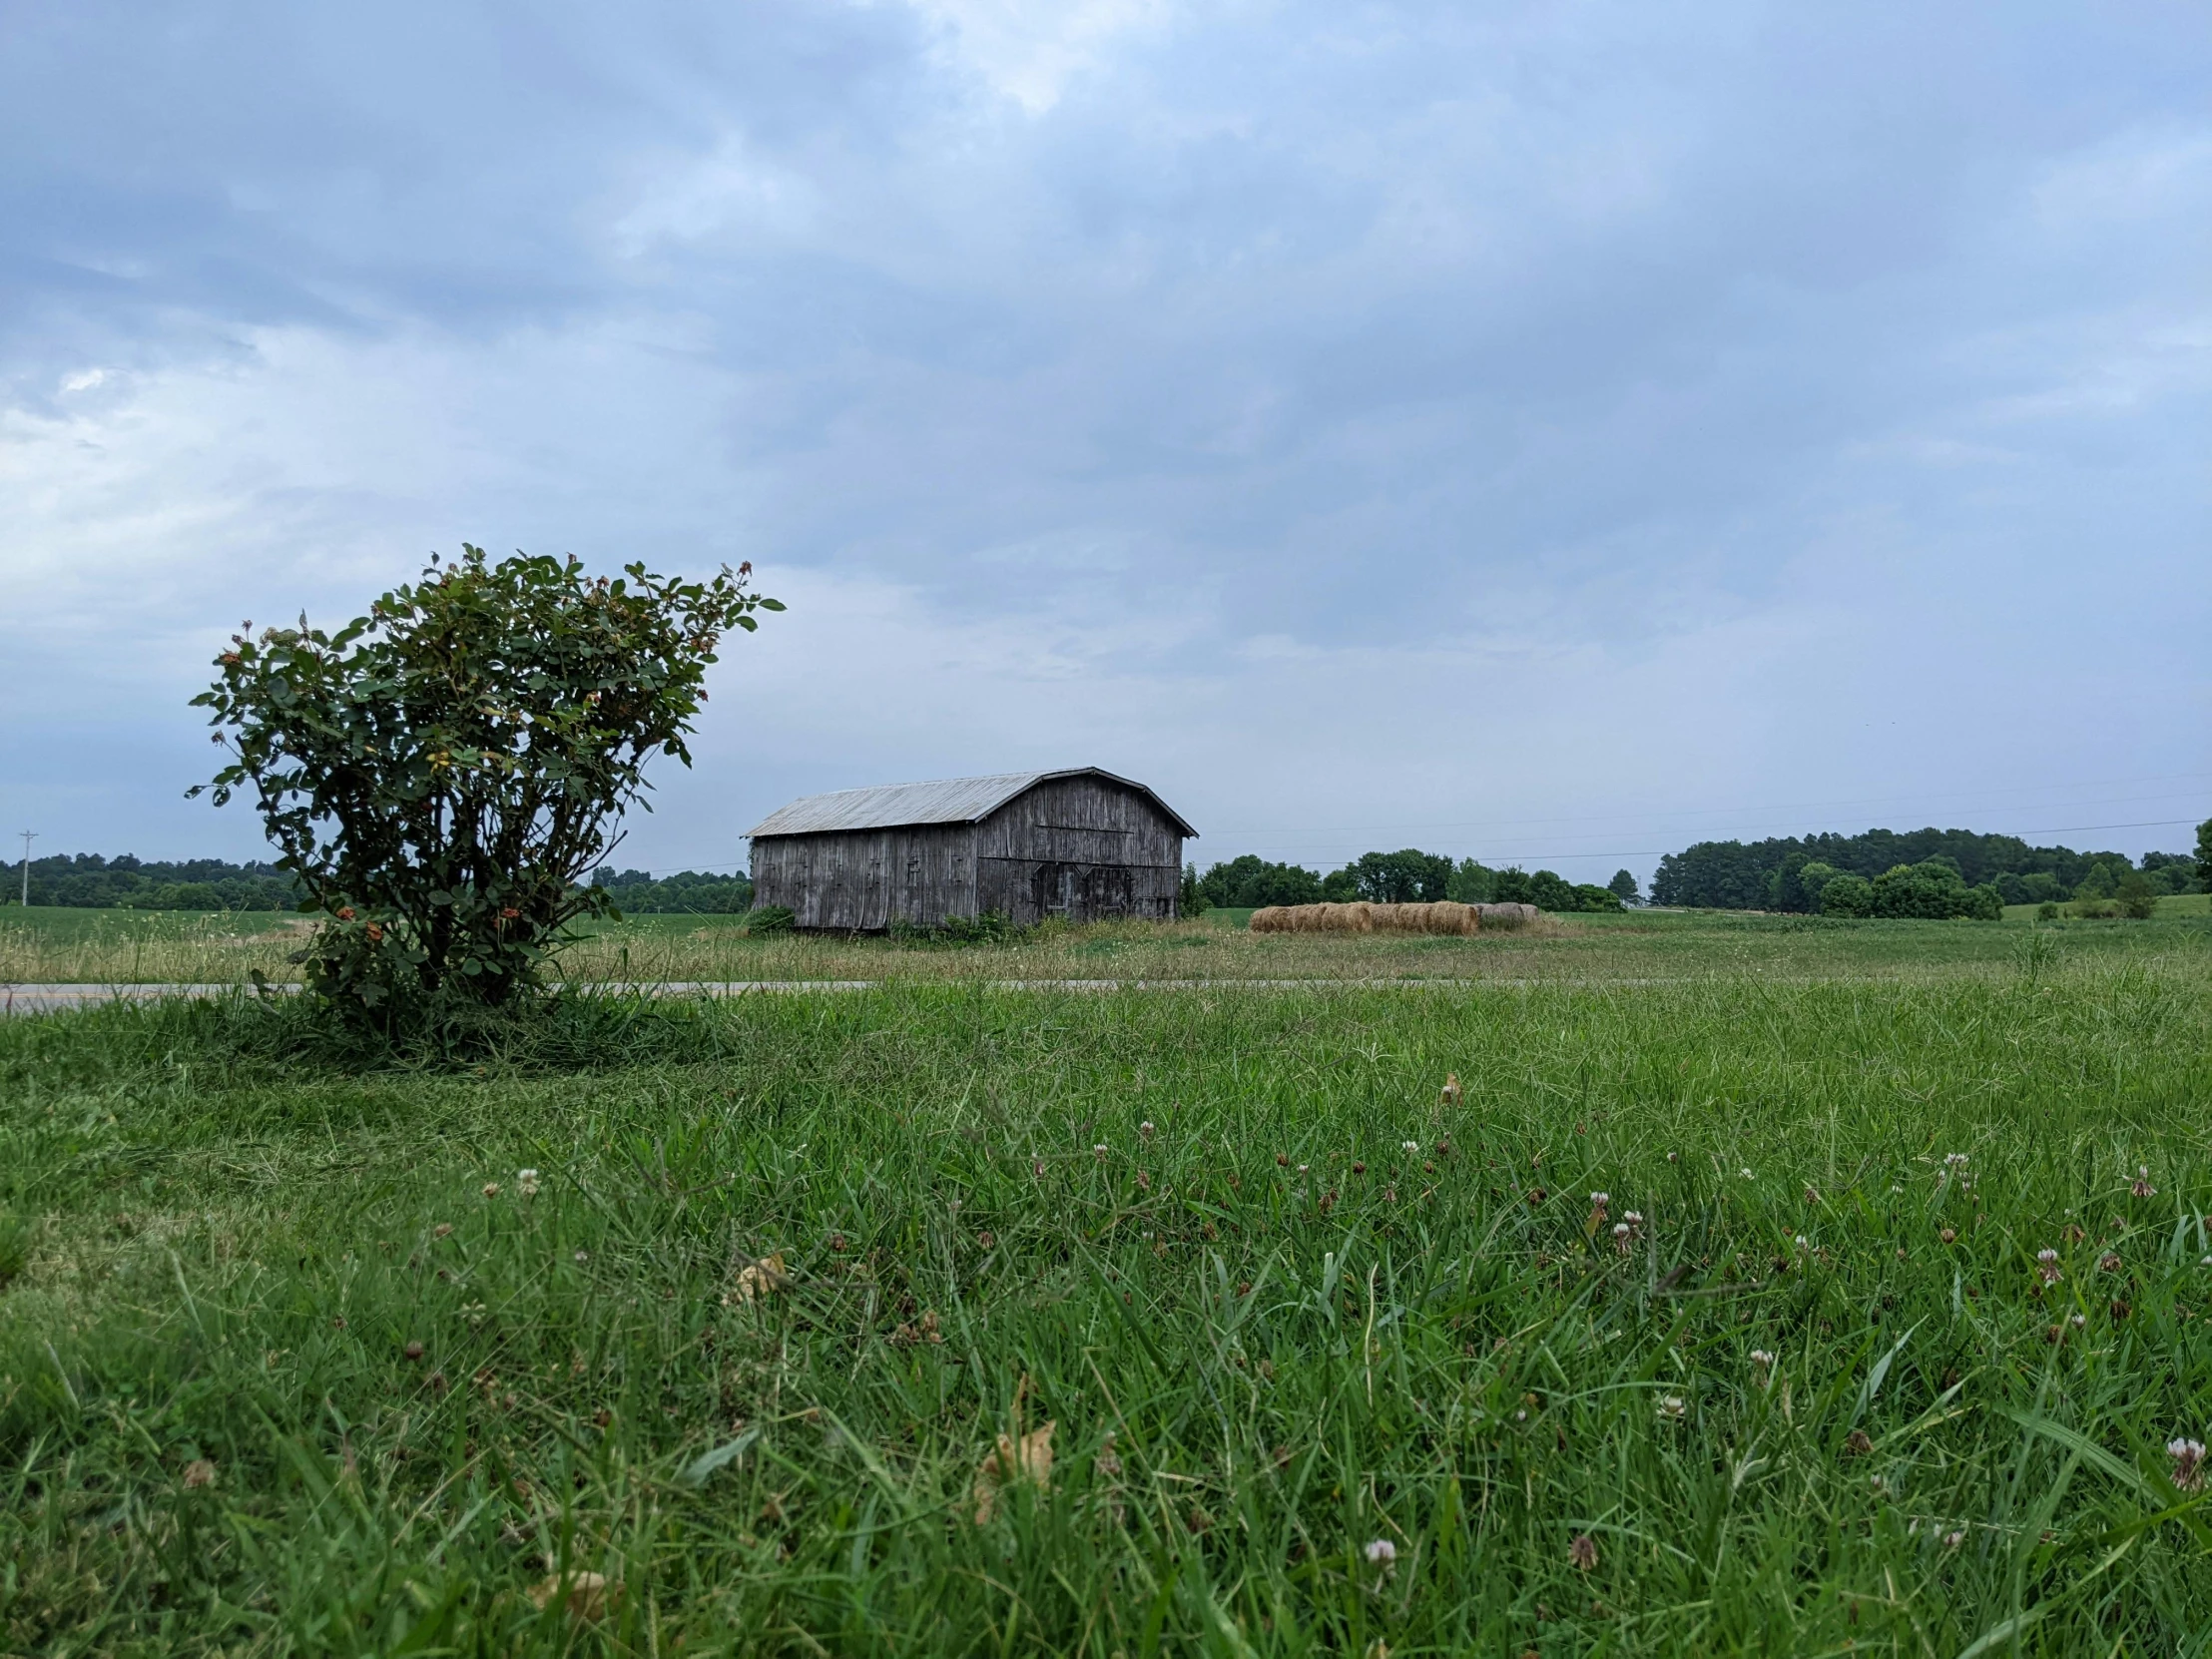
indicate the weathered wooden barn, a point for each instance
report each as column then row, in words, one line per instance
column 1082, row 844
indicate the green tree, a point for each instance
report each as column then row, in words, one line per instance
column 2138, row 898
column 1848, row 896
column 1930, row 891
column 1190, row 899
column 1249, row 881
column 1408, row 876
column 1472, row 883
column 2204, row 856
column 1622, row 887
column 440, row 774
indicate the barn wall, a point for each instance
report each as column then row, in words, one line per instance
column 1082, row 848
column 859, row 880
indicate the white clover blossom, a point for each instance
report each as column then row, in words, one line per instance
column 2188, row 1456
column 526, row 1182
column 1381, row 1553
column 2047, row 1263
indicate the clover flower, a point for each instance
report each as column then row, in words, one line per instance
column 2188, row 1456
column 527, row 1183
column 2047, row 1263
column 1145, row 1129
column 1099, row 1151
column 491, row 1189
column 1623, row 1236
column 1671, row 1408
column 1381, row 1553
column 1409, row 1146
column 2142, row 1186
column 1582, row 1554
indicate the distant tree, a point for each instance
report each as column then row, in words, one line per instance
column 2101, row 881
column 1848, row 896
column 2138, row 898
column 1340, row 887
column 2204, row 856
column 441, row 773
column 1933, row 890
column 1190, row 897
column 686, row 892
column 1769, row 875
column 1408, row 877
column 1590, row 897
column 1249, row 881
column 1811, row 880
column 1472, row 883
column 1622, row 887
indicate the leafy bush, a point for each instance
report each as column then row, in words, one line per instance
column 440, row 774
column 1848, row 896
column 2047, row 911
column 991, row 927
column 770, row 920
column 1248, row 881
column 2138, row 899
column 1932, row 891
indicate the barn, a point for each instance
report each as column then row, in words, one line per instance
column 1081, row 843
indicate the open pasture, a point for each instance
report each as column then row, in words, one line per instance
column 294, row 1359
column 49, row 946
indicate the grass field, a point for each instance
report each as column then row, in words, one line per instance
column 292, row 1361
column 42, row 946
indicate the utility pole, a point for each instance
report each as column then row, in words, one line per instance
column 28, row 838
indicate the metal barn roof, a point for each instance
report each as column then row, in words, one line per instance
column 948, row 801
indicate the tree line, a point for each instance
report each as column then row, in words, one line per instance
column 1408, row 877
column 1802, row 873
column 88, row 881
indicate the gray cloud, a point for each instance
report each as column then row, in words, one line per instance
column 1602, row 415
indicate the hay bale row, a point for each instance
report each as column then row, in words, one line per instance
column 1445, row 917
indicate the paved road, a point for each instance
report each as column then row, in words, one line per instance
column 43, row 999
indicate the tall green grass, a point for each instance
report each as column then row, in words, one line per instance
column 1267, row 1332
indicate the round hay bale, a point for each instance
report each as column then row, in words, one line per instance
column 1506, row 916
column 1270, row 919
column 1451, row 920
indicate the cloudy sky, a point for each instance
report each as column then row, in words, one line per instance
column 1554, row 432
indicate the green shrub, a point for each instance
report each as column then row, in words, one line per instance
column 1848, row 896
column 770, row 920
column 440, row 772
column 2047, row 911
column 2138, row 899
